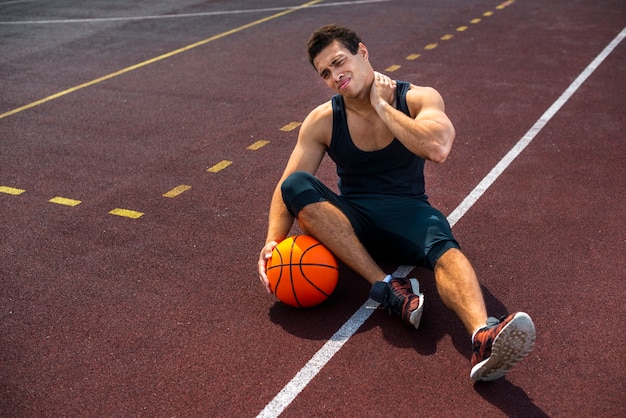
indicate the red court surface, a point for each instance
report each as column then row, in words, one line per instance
column 134, row 291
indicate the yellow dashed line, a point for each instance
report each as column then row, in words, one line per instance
column 258, row 144
column 413, row 57
column 290, row 126
column 505, row 4
column 393, row 68
column 430, row 46
column 219, row 166
column 11, row 190
column 475, row 21
column 447, row 37
column 65, row 201
column 461, row 29
column 125, row 213
column 177, row 190
column 487, row 14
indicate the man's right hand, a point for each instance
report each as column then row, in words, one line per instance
column 266, row 254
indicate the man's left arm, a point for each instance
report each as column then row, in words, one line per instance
column 429, row 134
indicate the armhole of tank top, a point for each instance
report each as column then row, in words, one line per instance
column 401, row 97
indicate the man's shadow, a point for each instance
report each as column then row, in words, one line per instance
column 437, row 322
column 352, row 291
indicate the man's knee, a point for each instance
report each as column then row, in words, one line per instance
column 452, row 258
column 445, row 255
column 295, row 184
column 299, row 190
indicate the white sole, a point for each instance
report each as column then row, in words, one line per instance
column 416, row 315
column 514, row 342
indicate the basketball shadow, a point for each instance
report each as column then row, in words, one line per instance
column 322, row 321
column 510, row 399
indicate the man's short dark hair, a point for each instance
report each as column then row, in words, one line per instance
column 325, row 35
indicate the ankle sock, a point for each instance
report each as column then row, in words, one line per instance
column 474, row 334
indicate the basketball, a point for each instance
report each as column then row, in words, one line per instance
column 302, row 272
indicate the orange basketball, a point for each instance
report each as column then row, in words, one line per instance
column 302, row 272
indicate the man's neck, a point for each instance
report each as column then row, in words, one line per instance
column 359, row 104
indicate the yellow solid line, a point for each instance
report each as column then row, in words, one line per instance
column 219, row 166
column 126, row 213
column 65, row 201
column 290, row 126
column 177, row 190
column 258, row 144
column 155, row 59
column 11, row 190
column 393, row 68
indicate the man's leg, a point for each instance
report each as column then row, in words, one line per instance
column 330, row 226
column 459, row 289
column 497, row 345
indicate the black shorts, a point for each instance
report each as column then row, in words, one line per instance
column 396, row 229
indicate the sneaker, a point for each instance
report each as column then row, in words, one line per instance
column 500, row 345
column 400, row 296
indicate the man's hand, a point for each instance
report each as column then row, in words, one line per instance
column 266, row 254
column 383, row 90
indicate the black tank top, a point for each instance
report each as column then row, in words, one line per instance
column 391, row 170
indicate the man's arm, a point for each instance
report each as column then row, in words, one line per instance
column 307, row 155
column 430, row 133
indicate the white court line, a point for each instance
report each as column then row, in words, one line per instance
column 4, row 3
column 324, row 354
column 182, row 15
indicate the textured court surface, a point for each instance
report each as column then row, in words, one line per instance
column 139, row 145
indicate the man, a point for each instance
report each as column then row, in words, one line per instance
column 379, row 132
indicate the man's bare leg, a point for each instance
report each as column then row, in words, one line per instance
column 459, row 289
column 329, row 225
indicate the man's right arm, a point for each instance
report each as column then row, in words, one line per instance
column 307, row 155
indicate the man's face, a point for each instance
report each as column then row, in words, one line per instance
column 343, row 72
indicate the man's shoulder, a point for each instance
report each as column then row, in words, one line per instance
column 325, row 107
column 318, row 124
column 322, row 112
column 422, row 90
column 419, row 97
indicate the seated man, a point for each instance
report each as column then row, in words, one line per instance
column 379, row 132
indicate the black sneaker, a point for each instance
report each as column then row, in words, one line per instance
column 400, row 296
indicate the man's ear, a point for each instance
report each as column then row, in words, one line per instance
column 363, row 51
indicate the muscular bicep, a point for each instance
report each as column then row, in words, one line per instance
column 425, row 103
column 428, row 109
